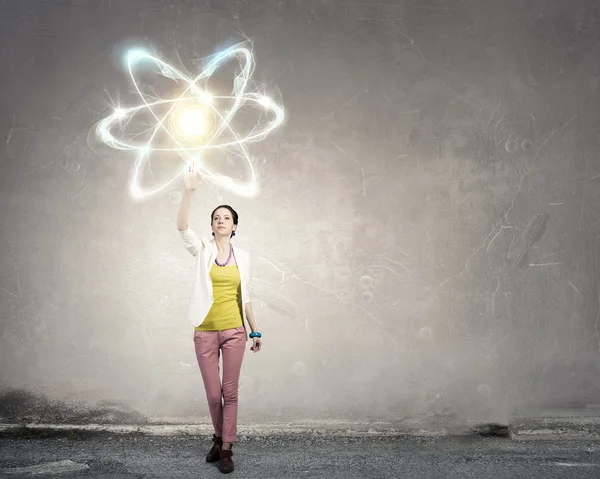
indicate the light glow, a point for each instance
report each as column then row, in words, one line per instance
column 189, row 122
column 193, row 123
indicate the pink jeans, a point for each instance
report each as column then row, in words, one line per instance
column 209, row 345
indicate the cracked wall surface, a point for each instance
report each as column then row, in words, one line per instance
column 425, row 244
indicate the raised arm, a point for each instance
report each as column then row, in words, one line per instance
column 191, row 181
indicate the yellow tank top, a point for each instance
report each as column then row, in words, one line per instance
column 225, row 312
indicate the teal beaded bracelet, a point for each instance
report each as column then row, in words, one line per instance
column 255, row 334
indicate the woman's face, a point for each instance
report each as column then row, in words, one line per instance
column 222, row 222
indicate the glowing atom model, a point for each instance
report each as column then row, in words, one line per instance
column 194, row 123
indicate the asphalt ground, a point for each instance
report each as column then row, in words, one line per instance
column 139, row 456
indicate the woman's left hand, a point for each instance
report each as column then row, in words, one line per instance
column 257, row 345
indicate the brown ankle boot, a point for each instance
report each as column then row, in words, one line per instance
column 226, row 464
column 213, row 455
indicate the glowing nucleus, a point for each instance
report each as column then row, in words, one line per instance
column 190, row 123
column 193, row 123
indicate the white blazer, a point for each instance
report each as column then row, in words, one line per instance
column 202, row 293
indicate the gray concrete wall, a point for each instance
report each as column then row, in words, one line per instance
column 425, row 243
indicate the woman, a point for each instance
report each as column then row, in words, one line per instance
column 219, row 307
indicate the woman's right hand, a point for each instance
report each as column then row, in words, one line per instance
column 191, row 179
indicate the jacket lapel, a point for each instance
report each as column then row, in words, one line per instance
column 210, row 253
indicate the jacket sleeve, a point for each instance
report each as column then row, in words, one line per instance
column 191, row 242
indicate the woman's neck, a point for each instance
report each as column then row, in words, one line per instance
column 223, row 244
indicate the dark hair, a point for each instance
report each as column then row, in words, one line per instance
column 232, row 211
